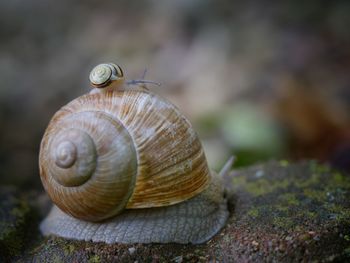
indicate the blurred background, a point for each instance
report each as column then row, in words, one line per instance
column 260, row 81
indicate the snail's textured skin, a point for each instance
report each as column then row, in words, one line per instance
column 193, row 221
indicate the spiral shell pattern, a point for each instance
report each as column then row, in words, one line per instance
column 100, row 75
column 94, row 187
column 145, row 154
column 74, row 156
column 103, row 74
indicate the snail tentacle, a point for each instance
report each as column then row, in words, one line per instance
column 141, row 81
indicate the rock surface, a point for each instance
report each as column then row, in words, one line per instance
column 17, row 220
column 280, row 212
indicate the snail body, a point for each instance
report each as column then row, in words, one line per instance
column 126, row 166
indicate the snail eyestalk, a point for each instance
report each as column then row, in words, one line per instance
column 142, row 81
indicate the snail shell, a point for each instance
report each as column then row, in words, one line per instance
column 125, row 149
column 103, row 74
column 126, row 166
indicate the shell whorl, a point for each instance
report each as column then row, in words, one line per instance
column 65, row 154
column 93, row 187
column 147, row 155
column 74, row 155
column 103, row 74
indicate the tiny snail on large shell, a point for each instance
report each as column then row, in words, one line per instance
column 124, row 165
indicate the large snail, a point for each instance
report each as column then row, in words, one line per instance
column 124, row 165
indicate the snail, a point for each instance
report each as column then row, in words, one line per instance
column 124, row 165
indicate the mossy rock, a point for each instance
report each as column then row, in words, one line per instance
column 291, row 212
column 17, row 220
column 280, row 212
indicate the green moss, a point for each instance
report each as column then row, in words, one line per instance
column 284, row 223
column 15, row 218
column 18, row 216
column 316, row 195
column 253, row 212
column 314, row 179
column 291, row 211
column 69, row 249
column 56, row 259
column 263, row 186
column 281, row 208
column 317, row 171
column 338, row 177
column 309, row 214
column 20, row 210
column 302, row 197
column 289, row 199
column 318, row 168
column 94, row 259
column 344, row 216
column 339, row 212
column 338, row 180
column 239, row 181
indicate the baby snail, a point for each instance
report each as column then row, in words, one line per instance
column 124, row 165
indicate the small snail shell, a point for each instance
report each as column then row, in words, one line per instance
column 105, row 153
column 104, row 74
